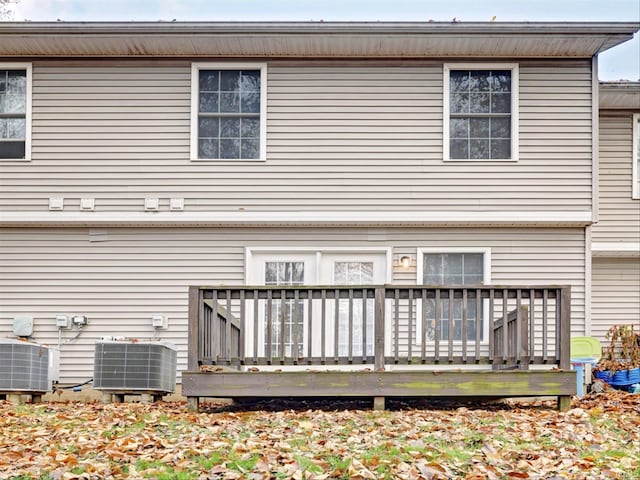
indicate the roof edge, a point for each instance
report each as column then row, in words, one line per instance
column 515, row 28
column 335, row 39
column 620, row 84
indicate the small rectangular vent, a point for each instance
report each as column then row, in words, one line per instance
column 24, row 367
column 134, row 366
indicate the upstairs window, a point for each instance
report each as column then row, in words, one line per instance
column 15, row 111
column 228, row 112
column 480, row 112
column 636, row 158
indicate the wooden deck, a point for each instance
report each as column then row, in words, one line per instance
column 379, row 341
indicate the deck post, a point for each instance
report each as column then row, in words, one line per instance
column 564, row 402
column 193, row 404
column 564, row 336
column 564, row 340
column 195, row 299
column 378, row 401
column 379, row 330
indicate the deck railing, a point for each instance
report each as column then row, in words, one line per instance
column 505, row 327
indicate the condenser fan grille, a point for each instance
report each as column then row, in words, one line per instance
column 24, row 367
column 136, row 366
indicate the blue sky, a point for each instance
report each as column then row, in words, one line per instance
column 622, row 62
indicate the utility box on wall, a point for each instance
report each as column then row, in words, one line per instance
column 23, row 326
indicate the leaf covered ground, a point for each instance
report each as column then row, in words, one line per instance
column 598, row 438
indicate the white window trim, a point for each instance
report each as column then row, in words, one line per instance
column 250, row 278
column 635, row 174
column 486, row 280
column 195, row 95
column 27, row 138
column 515, row 101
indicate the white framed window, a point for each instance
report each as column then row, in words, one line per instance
column 480, row 112
column 454, row 266
column 228, row 111
column 15, row 111
column 635, row 193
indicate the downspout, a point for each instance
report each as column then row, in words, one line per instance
column 587, row 280
column 595, row 191
column 595, row 139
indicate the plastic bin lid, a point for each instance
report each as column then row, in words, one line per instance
column 585, row 347
column 576, row 360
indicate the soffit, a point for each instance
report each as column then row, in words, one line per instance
column 619, row 95
column 310, row 39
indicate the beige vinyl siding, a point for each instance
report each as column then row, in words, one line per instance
column 343, row 136
column 134, row 273
column 615, row 294
column 619, row 213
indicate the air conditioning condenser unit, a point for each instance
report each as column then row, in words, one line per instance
column 27, row 367
column 134, row 367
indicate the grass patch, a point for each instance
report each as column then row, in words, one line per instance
column 308, row 465
column 243, row 465
column 210, row 461
column 124, row 430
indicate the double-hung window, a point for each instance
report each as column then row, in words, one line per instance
column 636, row 158
column 480, row 112
column 454, row 267
column 228, row 112
column 15, row 111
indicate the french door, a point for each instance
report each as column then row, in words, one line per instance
column 355, row 320
column 290, row 328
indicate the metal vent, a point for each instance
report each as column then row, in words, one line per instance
column 24, row 366
column 134, row 366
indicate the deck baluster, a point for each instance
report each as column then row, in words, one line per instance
column 410, row 320
column 310, row 338
column 323, row 326
column 545, row 325
column 364, row 325
column 505, row 326
column 379, row 345
column 518, row 342
column 227, row 325
column 336, row 327
column 438, row 304
column 451, row 325
column 423, row 319
column 350, row 336
column 256, row 303
column 465, row 328
column 479, row 321
column 396, row 326
column 269, row 332
column 283, row 326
